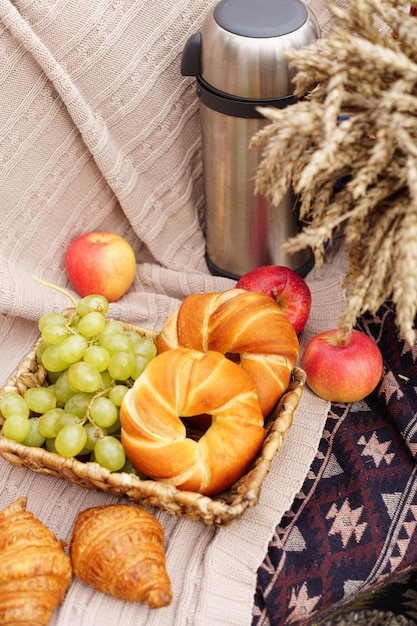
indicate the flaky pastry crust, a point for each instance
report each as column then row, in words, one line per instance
column 119, row 549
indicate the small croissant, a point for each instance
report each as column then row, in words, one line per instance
column 35, row 572
column 119, row 549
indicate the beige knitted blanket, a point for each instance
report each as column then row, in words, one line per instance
column 99, row 131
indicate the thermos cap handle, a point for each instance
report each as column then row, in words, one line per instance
column 191, row 56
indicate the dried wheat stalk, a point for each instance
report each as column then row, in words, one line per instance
column 358, row 125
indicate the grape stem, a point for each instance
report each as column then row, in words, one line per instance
column 59, row 289
column 98, row 394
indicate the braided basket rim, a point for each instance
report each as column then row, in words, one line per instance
column 221, row 510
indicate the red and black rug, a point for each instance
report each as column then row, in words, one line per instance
column 349, row 541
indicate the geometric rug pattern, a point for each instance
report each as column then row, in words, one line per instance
column 351, row 532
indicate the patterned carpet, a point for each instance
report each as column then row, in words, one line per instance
column 345, row 551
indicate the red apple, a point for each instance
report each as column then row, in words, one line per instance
column 342, row 368
column 101, row 263
column 285, row 286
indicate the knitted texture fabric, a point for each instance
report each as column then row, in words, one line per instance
column 99, row 131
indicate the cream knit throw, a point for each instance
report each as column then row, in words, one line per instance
column 98, row 130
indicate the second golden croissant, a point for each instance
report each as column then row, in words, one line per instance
column 119, row 549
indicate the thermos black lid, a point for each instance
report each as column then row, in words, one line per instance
column 260, row 18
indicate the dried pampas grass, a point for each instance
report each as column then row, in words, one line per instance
column 350, row 151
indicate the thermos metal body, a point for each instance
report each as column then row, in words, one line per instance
column 239, row 60
column 242, row 230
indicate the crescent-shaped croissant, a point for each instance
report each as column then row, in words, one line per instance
column 119, row 549
column 35, row 572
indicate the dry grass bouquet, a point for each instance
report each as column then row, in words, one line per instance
column 349, row 148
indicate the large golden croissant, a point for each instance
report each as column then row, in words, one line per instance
column 35, row 572
column 245, row 325
column 119, row 549
column 184, row 383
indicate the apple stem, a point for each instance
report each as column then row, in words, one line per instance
column 346, row 334
column 276, row 297
column 59, row 289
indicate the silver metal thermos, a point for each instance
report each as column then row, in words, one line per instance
column 238, row 60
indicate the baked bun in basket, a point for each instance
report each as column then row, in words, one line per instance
column 248, row 327
column 185, row 383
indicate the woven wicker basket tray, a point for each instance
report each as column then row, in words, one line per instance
column 221, row 510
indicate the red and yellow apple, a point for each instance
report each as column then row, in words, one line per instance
column 284, row 285
column 101, row 263
column 340, row 367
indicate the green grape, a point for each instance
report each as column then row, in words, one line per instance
column 83, row 377
column 144, row 352
column 94, row 433
column 98, row 357
column 78, row 404
column 56, row 319
column 122, row 365
column 146, row 348
column 34, row 438
column 53, row 377
column 140, row 365
column 92, row 324
column 117, row 393
column 63, row 391
column 116, row 342
column 107, row 379
column 13, row 402
column 92, row 303
column 103, row 412
column 54, row 334
column 109, row 453
column 66, row 419
column 72, row 349
column 111, row 327
column 40, row 399
column 48, row 422
column 40, row 349
column 51, row 360
column 133, row 336
column 16, row 427
column 129, row 468
column 70, row 440
column 115, row 428
column 50, row 444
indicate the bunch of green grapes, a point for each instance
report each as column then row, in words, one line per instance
column 90, row 362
